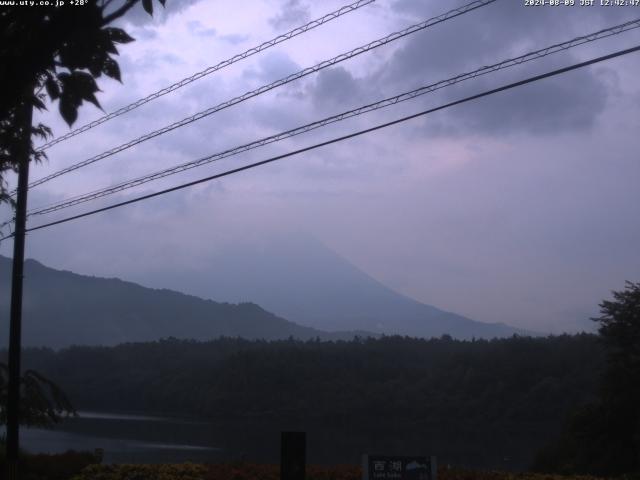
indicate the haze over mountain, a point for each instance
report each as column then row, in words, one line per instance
column 312, row 291
column 300, row 279
column 62, row 308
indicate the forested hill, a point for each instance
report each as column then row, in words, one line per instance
column 62, row 308
column 473, row 399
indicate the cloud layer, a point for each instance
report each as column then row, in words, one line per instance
column 517, row 208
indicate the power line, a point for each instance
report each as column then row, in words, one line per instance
column 265, row 88
column 209, row 70
column 615, row 30
column 342, row 138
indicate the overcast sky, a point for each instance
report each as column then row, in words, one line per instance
column 522, row 207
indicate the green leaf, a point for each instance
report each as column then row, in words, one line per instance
column 68, row 110
column 92, row 98
column 37, row 103
column 85, row 87
column 76, row 88
column 95, row 67
column 42, row 131
column 118, row 35
column 111, row 69
column 148, row 6
column 53, row 89
column 110, row 47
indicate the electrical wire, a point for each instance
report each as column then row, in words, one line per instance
column 209, row 70
column 534, row 55
column 342, row 138
column 265, row 88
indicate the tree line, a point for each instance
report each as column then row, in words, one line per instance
column 479, row 402
column 573, row 399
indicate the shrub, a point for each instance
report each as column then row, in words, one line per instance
column 50, row 467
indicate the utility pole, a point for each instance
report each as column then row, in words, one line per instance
column 23, row 118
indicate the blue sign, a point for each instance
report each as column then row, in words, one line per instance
column 387, row 467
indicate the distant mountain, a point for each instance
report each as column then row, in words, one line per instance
column 61, row 308
column 300, row 279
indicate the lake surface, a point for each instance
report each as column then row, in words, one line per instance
column 131, row 438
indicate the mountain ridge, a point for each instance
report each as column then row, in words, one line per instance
column 91, row 310
column 298, row 289
column 300, row 279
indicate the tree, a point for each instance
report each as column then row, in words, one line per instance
column 57, row 52
column 603, row 437
column 620, row 331
column 61, row 51
column 42, row 403
column 620, row 388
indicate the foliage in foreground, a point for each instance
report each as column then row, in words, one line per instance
column 62, row 52
column 183, row 471
column 59, row 466
column 42, row 402
column 249, row 471
column 604, row 436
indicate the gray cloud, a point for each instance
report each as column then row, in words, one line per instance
column 550, row 106
column 201, row 30
column 292, row 13
column 515, row 208
column 234, row 38
column 272, row 66
column 144, row 33
column 482, row 37
column 151, row 61
column 335, row 87
column 491, row 34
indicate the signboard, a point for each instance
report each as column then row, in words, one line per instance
column 387, row 467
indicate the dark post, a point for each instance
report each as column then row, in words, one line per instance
column 24, row 119
column 293, row 450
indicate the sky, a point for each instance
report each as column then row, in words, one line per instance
column 520, row 208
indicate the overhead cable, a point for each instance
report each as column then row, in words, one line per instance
column 265, row 88
column 214, row 68
column 342, row 138
column 534, row 55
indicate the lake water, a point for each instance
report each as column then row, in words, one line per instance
column 127, row 438
column 130, row 438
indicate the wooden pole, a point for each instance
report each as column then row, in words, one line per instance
column 24, row 118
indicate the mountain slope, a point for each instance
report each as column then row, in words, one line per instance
column 300, row 279
column 62, row 308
